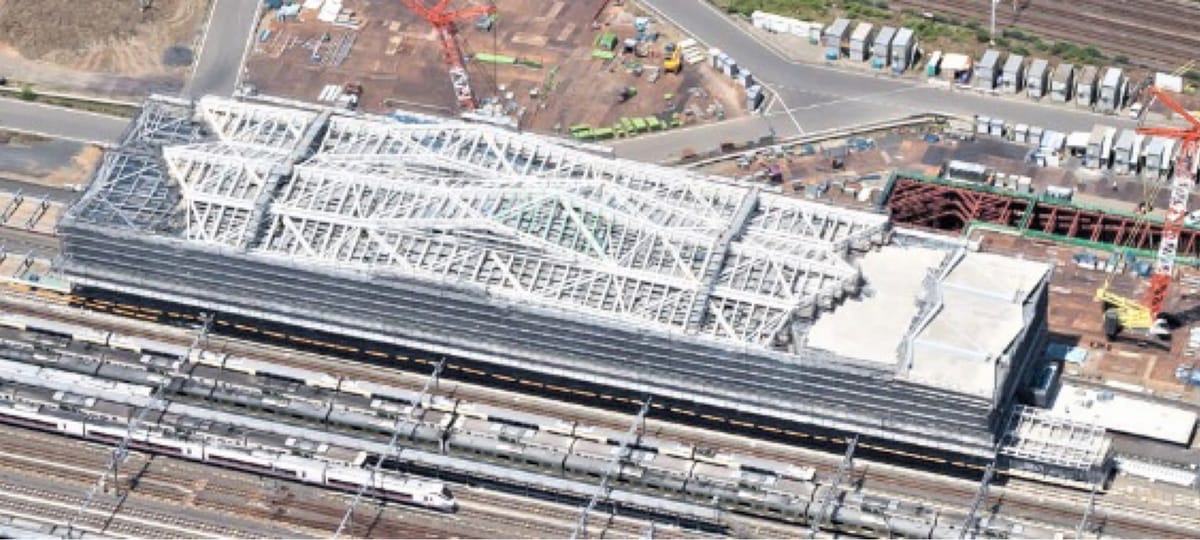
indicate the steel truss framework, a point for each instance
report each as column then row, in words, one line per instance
column 518, row 215
column 504, row 248
column 935, row 204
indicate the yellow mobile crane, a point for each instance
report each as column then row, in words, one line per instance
column 1147, row 314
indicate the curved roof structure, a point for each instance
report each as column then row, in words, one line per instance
column 519, row 216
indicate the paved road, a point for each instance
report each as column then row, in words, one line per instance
column 21, row 242
column 221, row 53
column 37, row 191
column 821, row 97
column 57, row 122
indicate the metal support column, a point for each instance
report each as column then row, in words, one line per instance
column 844, row 468
column 158, row 402
column 1087, row 512
column 430, row 384
column 980, row 496
column 635, row 429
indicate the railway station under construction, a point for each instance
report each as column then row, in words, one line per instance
column 530, row 254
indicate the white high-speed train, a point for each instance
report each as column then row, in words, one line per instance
column 348, row 475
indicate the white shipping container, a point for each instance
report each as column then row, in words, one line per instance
column 1168, row 82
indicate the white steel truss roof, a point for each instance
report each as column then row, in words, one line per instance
column 528, row 218
column 1038, row 435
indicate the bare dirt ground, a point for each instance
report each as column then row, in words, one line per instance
column 106, row 47
column 397, row 59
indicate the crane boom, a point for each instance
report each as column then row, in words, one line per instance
column 443, row 21
column 1177, row 209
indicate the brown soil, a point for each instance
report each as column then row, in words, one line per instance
column 398, row 60
column 105, row 36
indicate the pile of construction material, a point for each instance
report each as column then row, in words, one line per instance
column 332, row 11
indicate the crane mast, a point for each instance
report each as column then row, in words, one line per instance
column 443, row 20
column 1181, row 188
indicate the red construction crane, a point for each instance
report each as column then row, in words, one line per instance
column 1181, row 188
column 443, row 19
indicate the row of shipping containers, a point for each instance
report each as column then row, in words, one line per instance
column 886, row 47
column 1125, row 152
column 1102, row 89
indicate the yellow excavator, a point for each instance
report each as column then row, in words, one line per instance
column 673, row 63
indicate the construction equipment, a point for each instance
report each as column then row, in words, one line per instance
column 1147, row 314
column 443, row 19
column 351, row 94
column 673, row 62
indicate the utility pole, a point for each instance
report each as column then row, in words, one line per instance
column 980, row 497
column 635, row 429
column 430, row 384
column 157, row 401
column 1087, row 512
column 844, row 468
column 992, row 32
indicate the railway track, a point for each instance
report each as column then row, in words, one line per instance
column 1154, row 34
column 175, row 483
column 891, row 483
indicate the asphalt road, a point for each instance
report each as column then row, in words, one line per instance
column 57, row 122
column 35, row 191
column 22, row 242
column 221, row 53
column 821, row 97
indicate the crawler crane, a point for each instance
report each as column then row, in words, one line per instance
column 443, row 19
column 1147, row 314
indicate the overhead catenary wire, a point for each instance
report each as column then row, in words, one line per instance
column 844, row 468
column 430, row 383
column 157, row 402
column 635, row 426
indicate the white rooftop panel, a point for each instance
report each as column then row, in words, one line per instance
column 872, row 328
column 943, row 320
column 1125, row 414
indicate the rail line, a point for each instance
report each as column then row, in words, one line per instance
column 170, row 485
column 1153, row 34
column 315, row 362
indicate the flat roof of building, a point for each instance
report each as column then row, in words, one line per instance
column 941, row 319
column 1125, row 414
column 990, row 59
column 862, row 32
column 885, row 36
column 1038, row 67
column 956, row 62
column 1112, row 76
column 1063, row 72
column 1014, row 63
column 838, row 27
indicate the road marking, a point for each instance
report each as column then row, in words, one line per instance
column 773, row 50
column 700, row 40
column 102, row 144
column 212, row 10
column 241, row 67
